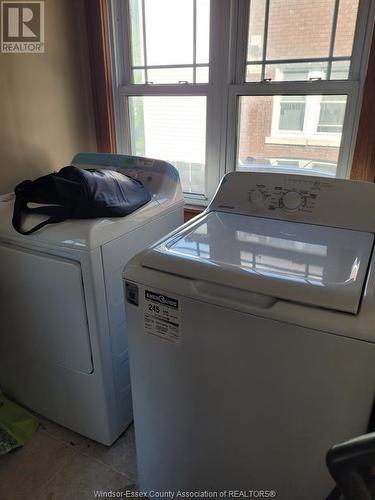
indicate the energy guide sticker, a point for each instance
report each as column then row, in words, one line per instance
column 162, row 316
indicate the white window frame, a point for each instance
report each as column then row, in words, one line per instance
column 228, row 49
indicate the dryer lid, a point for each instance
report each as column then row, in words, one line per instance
column 81, row 234
column 316, row 265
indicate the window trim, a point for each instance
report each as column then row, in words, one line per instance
column 363, row 162
column 228, row 41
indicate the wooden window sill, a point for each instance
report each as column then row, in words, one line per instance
column 191, row 211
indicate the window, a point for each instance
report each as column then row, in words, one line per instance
column 214, row 86
column 167, row 69
column 314, row 117
column 301, row 132
column 331, row 114
column 292, row 113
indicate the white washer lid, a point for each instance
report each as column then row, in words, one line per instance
column 317, row 265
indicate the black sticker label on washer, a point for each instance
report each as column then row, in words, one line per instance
column 131, row 293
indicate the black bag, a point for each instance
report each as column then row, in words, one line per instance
column 74, row 193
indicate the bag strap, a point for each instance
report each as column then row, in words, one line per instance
column 56, row 214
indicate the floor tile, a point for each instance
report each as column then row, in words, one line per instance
column 23, row 472
column 120, row 456
column 81, row 478
column 62, row 434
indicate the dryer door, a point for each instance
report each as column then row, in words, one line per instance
column 43, row 309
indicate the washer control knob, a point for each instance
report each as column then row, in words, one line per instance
column 256, row 197
column 292, row 200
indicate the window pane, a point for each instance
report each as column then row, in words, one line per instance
column 172, row 128
column 332, row 112
column 139, row 76
column 203, row 31
column 346, row 20
column 299, row 133
column 136, row 32
column 340, row 70
column 202, row 74
column 299, row 28
column 170, row 75
column 296, row 71
column 256, row 30
column 169, row 39
column 253, row 72
column 169, row 32
column 292, row 113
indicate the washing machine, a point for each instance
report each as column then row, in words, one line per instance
column 252, row 338
column 63, row 340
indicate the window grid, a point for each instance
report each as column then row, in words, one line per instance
column 333, row 37
column 146, row 67
column 265, row 39
column 329, row 59
column 144, row 39
column 194, row 41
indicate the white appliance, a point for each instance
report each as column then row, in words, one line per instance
column 252, row 337
column 63, row 341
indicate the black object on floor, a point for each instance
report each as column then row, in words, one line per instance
column 352, row 466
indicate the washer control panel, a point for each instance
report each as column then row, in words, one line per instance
column 257, row 196
column 292, row 200
column 301, row 198
column 288, row 196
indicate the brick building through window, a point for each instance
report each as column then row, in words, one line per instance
column 296, row 130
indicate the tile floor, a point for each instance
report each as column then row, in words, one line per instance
column 58, row 464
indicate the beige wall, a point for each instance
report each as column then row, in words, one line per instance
column 45, row 99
